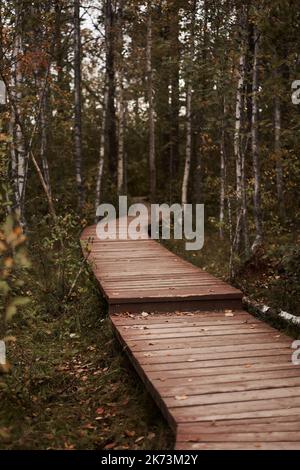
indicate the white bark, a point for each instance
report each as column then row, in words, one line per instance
column 121, row 137
column 18, row 151
column 188, row 147
column 44, row 136
column 255, row 145
column 222, row 177
column 120, row 164
column 239, row 153
column 101, row 150
column 238, row 126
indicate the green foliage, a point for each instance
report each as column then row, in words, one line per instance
column 58, row 259
column 13, row 261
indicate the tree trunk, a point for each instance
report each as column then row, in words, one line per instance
column 121, row 136
column 102, row 149
column 152, row 160
column 189, row 92
column 121, row 120
column 174, row 97
column 277, row 149
column 255, row 145
column 44, row 136
column 18, row 150
column 78, row 103
column 239, row 153
column 222, row 177
column 111, row 141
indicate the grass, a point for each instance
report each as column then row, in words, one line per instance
column 70, row 384
column 271, row 277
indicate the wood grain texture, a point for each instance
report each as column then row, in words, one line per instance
column 222, row 379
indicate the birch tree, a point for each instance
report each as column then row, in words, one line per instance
column 19, row 160
column 255, row 144
column 121, row 104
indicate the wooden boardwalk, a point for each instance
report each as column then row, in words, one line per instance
column 222, row 379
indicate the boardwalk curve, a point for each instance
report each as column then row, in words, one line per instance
column 221, row 378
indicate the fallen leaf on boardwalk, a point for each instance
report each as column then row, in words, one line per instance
column 181, row 397
column 144, row 314
column 191, row 360
column 229, row 314
column 151, row 344
column 129, row 433
column 248, row 365
column 190, row 380
column 139, row 439
column 161, row 379
column 148, row 355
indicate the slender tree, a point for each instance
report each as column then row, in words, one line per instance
column 189, row 93
column 151, row 115
column 255, row 145
column 78, row 105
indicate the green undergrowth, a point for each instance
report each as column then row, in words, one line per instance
column 272, row 276
column 70, row 384
column 70, row 387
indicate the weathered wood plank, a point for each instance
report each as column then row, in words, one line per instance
column 222, row 379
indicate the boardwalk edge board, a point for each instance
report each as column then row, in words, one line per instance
column 222, row 379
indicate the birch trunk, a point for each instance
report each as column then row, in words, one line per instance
column 222, row 176
column 18, row 150
column 255, row 145
column 44, row 136
column 189, row 93
column 78, row 104
column 120, row 166
column 121, row 137
column 188, row 147
column 152, row 162
column 239, row 153
column 101, row 150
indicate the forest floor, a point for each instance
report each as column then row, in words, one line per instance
column 70, row 385
column 272, row 276
column 73, row 389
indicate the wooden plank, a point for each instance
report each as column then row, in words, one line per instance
column 283, row 406
column 237, row 446
column 223, row 380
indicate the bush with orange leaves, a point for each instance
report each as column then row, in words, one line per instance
column 13, row 261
